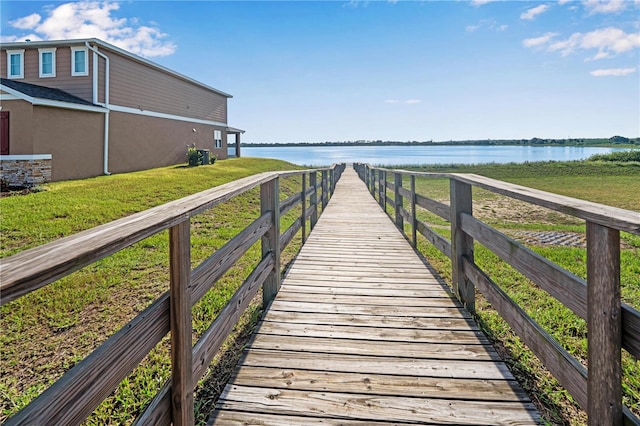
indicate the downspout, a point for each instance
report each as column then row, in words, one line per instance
column 106, row 101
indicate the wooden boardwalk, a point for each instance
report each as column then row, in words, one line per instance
column 362, row 332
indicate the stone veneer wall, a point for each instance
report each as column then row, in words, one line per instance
column 25, row 172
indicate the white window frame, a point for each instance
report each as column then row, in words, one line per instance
column 217, row 138
column 41, row 51
column 10, row 53
column 73, row 61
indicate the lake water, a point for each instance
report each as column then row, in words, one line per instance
column 406, row 155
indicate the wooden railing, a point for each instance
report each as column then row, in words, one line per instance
column 611, row 324
column 81, row 389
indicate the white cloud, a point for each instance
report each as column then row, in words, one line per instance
column 604, row 6
column 94, row 19
column 481, row 2
column 609, row 42
column 561, row 2
column 26, row 22
column 408, row 101
column 539, row 41
column 490, row 24
column 612, row 72
column 534, row 11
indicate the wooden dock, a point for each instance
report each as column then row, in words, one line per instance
column 363, row 332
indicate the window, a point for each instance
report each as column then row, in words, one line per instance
column 47, row 62
column 217, row 137
column 79, row 64
column 15, row 63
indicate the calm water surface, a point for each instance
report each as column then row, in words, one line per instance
column 396, row 155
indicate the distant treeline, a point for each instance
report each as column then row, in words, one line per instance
column 615, row 140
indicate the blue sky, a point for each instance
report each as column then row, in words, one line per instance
column 305, row 71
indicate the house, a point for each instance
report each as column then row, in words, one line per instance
column 79, row 108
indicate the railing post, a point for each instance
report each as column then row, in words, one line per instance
column 372, row 182
column 381, row 190
column 181, row 325
column 269, row 202
column 414, row 219
column 604, row 326
column 304, row 207
column 313, row 199
column 398, row 199
column 461, row 243
column 324, row 190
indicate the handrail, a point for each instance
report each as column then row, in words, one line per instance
column 612, row 325
column 82, row 388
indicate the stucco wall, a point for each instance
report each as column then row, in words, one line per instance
column 73, row 138
column 20, row 128
column 138, row 142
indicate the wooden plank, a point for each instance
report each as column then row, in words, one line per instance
column 307, row 258
column 631, row 330
column 569, row 372
column 241, row 418
column 293, row 280
column 377, row 365
column 355, row 273
column 367, row 407
column 215, row 335
column 159, row 410
column 389, row 321
column 181, row 325
column 569, row 289
column 374, row 348
column 380, row 292
column 604, row 325
column 359, row 279
column 382, row 309
column 613, row 217
column 406, row 193
column 464, row 337
column 213, row 268
column 372, row 300
column 290, row 203
column 380, row 384
column 434, row 206
column 81, row 389
column 440, row 242
column 291, row 232
column 34, row 268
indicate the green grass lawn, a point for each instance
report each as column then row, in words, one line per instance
column 603, row 182
column 48, row 331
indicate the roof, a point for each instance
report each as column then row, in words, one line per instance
column 97, row 42
column 41, row 92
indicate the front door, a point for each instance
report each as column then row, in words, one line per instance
column 4, row 132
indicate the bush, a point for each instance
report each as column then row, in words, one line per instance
column 194, row 157
column 622, row 156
